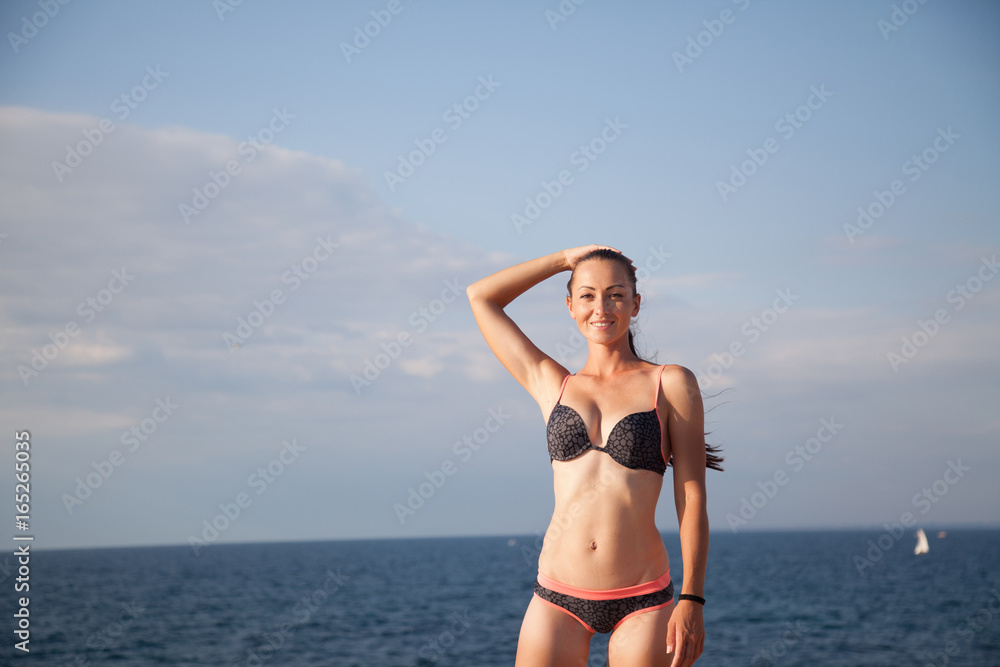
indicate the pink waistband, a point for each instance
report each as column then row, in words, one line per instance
column 609, row 594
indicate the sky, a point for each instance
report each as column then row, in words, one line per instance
column 235, row 239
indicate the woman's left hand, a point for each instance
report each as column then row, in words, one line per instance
column 686, row 633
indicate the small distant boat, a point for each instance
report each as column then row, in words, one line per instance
column 922, row 546
column 942, row 534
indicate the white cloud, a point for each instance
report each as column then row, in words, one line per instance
column 162, row 334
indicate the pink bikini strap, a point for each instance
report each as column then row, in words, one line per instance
column 656, row 397
column 656, row 408
column 563, row 387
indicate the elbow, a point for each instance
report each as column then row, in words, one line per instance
column 475, row 294
column 481, row 296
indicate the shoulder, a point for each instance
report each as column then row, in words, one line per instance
column 679, row 385
column 677, row 378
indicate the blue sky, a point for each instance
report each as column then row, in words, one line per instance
column 236, row 169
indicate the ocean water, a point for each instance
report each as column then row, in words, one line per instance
column 783, row 598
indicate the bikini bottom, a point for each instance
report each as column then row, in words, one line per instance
column 603, row 611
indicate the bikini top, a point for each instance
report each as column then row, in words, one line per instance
column 634, row 442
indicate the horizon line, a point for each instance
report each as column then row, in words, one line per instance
column 508, row 536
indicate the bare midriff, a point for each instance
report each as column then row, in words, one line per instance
column 603, row 531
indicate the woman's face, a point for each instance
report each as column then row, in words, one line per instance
column 601, row 300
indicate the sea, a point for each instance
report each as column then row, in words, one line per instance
column 773, row 598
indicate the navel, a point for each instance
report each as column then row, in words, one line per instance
column 593, row 546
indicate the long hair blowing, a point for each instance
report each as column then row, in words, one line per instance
column 713, row 459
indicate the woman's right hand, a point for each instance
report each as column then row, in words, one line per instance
column 574, row 255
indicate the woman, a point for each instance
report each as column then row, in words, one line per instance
column 612, row 429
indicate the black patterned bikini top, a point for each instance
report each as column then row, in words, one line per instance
column 634, row 442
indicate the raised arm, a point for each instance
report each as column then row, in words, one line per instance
column 686, row 426
column 531, row 367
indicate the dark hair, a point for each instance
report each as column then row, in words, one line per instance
column 712, row 458
column 618, row 258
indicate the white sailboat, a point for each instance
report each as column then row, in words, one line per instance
column 922, row 546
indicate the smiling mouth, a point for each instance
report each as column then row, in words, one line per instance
column 601, row 325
